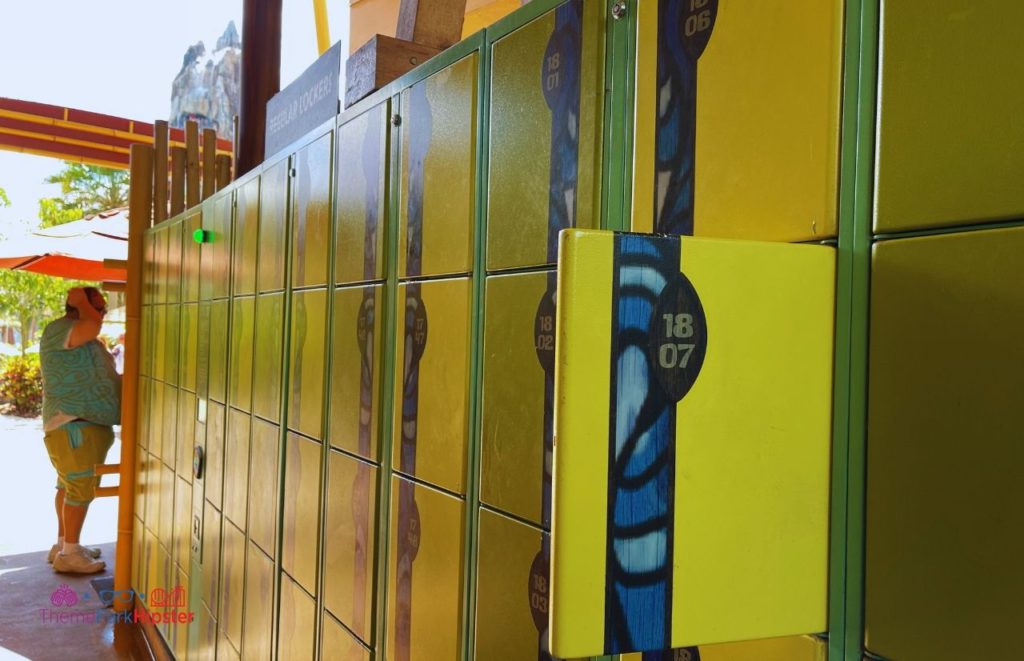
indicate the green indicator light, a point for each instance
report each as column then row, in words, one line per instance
column 201, row 236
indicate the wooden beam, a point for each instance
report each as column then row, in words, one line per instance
column 378, row 62
column 223, row 171
column 209, row 162
column 108, row 158
column 261, row 78
column 160, row 147
column 116, row 263
column 235, row 134
column 433, row 23
column 78, row 135
column 140, row 210
column 113, row 286
column 192, row 192
column 178, row 159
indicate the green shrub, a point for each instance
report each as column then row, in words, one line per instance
column 21, row 385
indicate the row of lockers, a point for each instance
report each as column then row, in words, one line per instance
column 766, row 145
column 920, row 438
column 294, row 266
column 770, row 174
column 274, row 311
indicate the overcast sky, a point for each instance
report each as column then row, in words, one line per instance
column 118, row 57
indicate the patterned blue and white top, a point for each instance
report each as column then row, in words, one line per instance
column 79, row 382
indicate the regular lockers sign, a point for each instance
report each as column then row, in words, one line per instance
column 692, row 425
column 308, row 102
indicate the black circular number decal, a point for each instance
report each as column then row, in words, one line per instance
column 416, row 324
column 686, row 654
column 678, row 337
column 544, row 332
column 409, row 531
column 364, row 326
column 557, row 66
column 698, row 20
column 539, row 591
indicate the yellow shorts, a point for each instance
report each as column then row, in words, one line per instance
column 75, row 449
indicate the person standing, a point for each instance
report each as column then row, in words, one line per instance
column 118, row 353
column 81, row 403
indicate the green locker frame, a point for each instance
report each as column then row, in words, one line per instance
column 864, row 160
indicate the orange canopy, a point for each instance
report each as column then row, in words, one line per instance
column 77, row 135
column 75, row 250
column 63, row 266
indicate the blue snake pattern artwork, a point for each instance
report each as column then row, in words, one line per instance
column 684, row 28
column 304, row 191
column 415, row 337
column 560, row 81
column 641, row 476
column 365, row 326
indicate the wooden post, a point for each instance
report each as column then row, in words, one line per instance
column 159, row 171
column 261, row 77
column 223, row 171
column 234, row 137
column 140, row 211
column 177, row 180
column 425, row 28
column 192, row 192
column 378, row 62
column 209, row 162
column 433, row 23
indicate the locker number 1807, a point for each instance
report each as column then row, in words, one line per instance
column 676, row 354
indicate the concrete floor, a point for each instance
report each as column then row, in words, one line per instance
column 30, row 625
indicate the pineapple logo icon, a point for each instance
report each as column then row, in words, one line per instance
column 64, row 596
